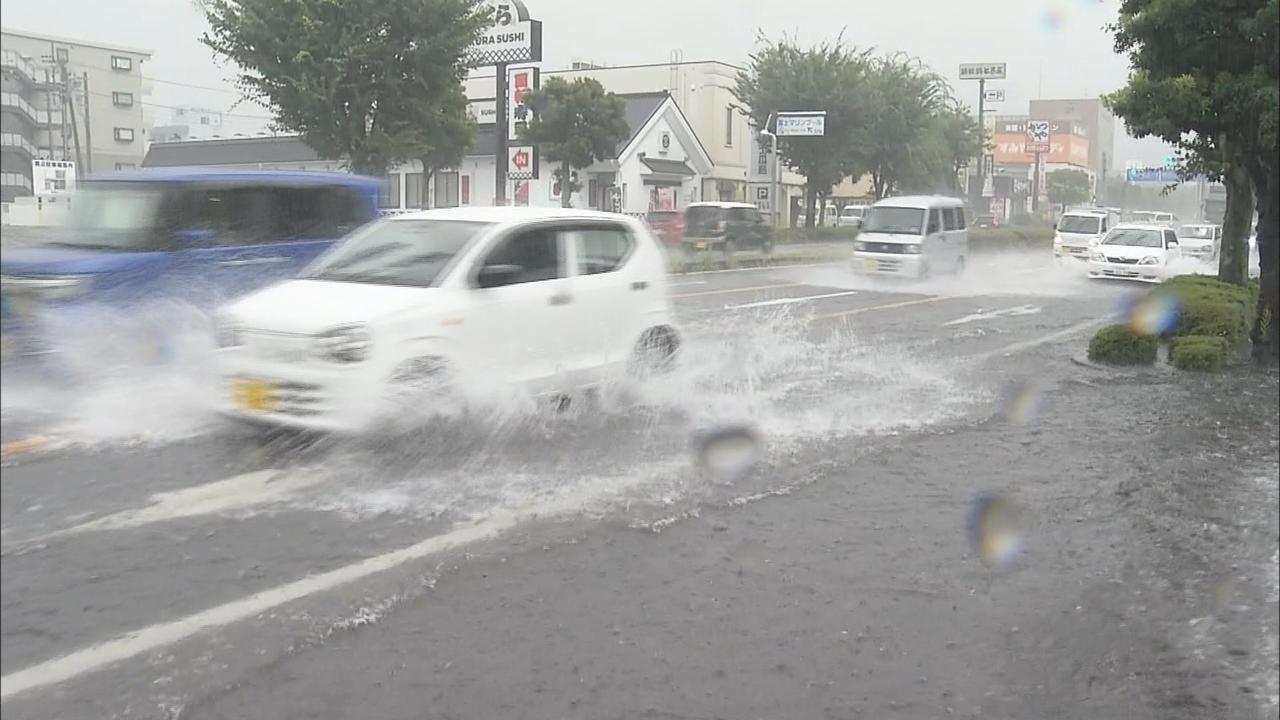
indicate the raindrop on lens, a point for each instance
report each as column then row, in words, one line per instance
column 994, row 527
column 1155, row 314
column 1023, row 403
column 728, row 453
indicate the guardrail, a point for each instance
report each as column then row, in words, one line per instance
column 12, row 59
column 36, row 115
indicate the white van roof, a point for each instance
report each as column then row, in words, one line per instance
column 923, row 202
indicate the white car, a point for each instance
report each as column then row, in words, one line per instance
column 1136, row 252
column 851, row 216
column 1200, row 241
column 538, row 300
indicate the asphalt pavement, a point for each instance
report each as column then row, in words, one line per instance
column 533, row 561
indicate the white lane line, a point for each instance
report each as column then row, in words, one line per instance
column 886, row 306
column 1043, row 340
column 990, row 314
column 727, row 291
column 690, row 282
column 153, row 637
column 234, row 493
column 788, row 301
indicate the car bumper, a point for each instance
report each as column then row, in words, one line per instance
column 701, row 244
column 310, row 395
column 889, row 264
column 1078, row 252
column 1198, row 253
column 1122, row 271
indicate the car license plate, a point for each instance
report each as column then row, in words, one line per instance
column 702, row 245
column 253, row 395
column 871, row 265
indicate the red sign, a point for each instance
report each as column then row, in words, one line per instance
column 521, row 159
column 521, row 84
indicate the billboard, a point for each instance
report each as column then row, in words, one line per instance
column 519, row 82
column 1068, row 143
column 982, row 71
column 513, row 37
column 52, row 177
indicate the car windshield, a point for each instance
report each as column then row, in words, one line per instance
column 112, row 216
column 1082, row 224
column 1196, row 232
column 1134, row 237
column 397, row 252
column 894, row 220
column 853, row 212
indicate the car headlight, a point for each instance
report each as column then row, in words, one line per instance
column 911, row 249
column 346, row 344
column 1057, row 240
column 1093, row 242
column 859, row 246
column 1149, row 260
column 228, row 334
column 1098, row 257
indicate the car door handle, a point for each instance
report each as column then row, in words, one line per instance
column 639, row 285
column 252, row 261
column 561, row 299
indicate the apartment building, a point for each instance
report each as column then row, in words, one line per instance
column 68, row 100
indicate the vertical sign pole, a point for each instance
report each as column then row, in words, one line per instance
column 1035, row 185
column 982, row 147
column 500, row 130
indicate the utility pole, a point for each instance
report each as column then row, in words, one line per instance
column 500, row 129
column 88, row 128
column 68, row 108
column 1035, row 185
column 982, row 147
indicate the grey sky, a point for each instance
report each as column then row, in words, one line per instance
column 1054, row 48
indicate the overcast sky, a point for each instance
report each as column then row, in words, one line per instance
column 1054, row 48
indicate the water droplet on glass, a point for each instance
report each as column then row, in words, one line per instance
column 1023, row 403
column 994, row 526
column 1154, row 314
column 728, row 453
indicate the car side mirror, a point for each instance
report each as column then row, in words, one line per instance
column 1170, row 244
column 491, row 276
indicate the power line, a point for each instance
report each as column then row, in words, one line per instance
column 181, row 107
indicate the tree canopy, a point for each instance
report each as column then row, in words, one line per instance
column 1067, row 187
column 371, row 81
column 574, row 124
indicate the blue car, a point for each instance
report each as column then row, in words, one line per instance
column 193, row 236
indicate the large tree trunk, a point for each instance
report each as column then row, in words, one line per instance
column 566, row 185
column 424, row 201
column 1233, row 264
column 1266, row 339
column 810, row 200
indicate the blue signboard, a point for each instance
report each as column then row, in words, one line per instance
column 1164, row 175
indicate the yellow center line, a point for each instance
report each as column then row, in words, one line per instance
column 886, row 306
column 704, row 293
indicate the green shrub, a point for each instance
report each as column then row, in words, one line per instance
column 1120, row 345
column 1212, row 307
column 1206, row 353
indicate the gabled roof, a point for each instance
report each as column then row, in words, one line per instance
column 652, row 106
column 637, row 109
column 231, row 151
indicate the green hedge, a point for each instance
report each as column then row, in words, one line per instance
column 816, row 234
column 1206, row 353
column 1120, row 345
column 1211, row 307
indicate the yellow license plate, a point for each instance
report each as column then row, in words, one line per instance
column 870, row 265
column 253, row 395
column 702, row 246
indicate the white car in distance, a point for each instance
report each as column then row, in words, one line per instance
column 1136, row 252
column 1200, row 241
column 1078, row 232
column 537, row 300
column 851, row 216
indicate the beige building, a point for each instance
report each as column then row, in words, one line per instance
column 68, row 100
column 1099, row 126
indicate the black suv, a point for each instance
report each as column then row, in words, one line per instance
column 725, row 227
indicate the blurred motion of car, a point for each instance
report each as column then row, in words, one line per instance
column 1077, row 232
column 192, row 235
column 725, row 227
column 1153, row 217
column 1133, row 251
column 1200, row 241
column 544, row 299
column 851, row 216
column 667, row 225
column 912, row 237
column 986, row 222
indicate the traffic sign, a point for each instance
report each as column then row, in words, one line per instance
column 1037, row 136
column 993, row 96
column 522, row 162
column 982, row 71
column 801, row 124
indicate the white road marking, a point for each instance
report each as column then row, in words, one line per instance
column 886, row 306
column 990, row 314
column 234, row 493
column 788, row 301
column 764, row 268
column 1051, row 337
column 151, row 638
column 727, row 291
column 690, row 282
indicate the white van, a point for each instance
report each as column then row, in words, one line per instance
column 1078, row 231
column 912, row 237
column 851, row 216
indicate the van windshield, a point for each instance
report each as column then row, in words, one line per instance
column 112, row 216
column 1082, row 224
column 894, row 220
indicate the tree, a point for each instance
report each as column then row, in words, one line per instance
column 782, row 77
column 1067, row 187
column 574, row 124
column 1205, row 77
column 442, row 140
column 362, row 80
column 905, row 100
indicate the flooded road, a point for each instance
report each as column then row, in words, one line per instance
column 157, row 563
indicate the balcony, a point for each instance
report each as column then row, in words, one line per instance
column 39, row 117
column 17, row 180
column 11, row 60
column 14, row 141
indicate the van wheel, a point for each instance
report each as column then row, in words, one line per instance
column 655, row 352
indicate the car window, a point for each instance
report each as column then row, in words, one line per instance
column 536, row 252
column 1084, row 224
column 895, row 220
column 602, row 249
column 935, row 221
column 321, row 212
column 949, row 220
column 1170, row 237
column 223, row 216
column 411, row 253
column 741, row 215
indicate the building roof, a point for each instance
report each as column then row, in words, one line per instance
column 668, row 167
column 196, row 174
column 231, row 151
column 637, row 109
column 74, row 41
